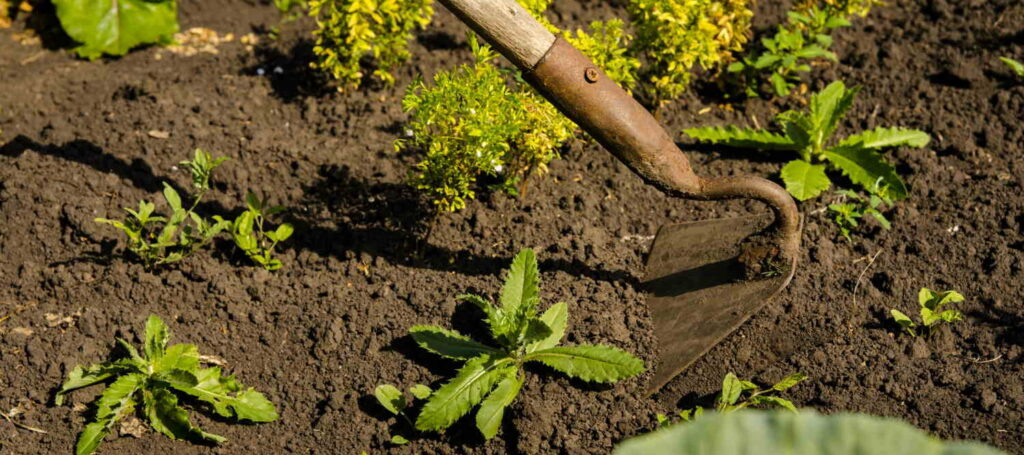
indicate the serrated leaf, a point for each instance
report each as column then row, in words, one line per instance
column 828, row 107
column 420, row 391
column 773, row 401
column 732, row 387
column 165, row 416
column 114, row 27
column 157, row 336
column 595, row 363
column 112, row 405
column 183, row 357
column 536, row 331
column 865, row 167
column 556, row 318
column 390, row 398
column 805, row 180
column 229, row 399
column 86, row 376
column 488, row 418
column 733, row 136
column 522, row 286
column 448, row 343
column 789, row 381
column 454, row 399
column 888, row 137
column 175, row 378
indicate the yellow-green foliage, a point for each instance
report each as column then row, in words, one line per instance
column 541, row 135
column 676, row 35
column 840, row 8
column 607, row 45
column 352, row 29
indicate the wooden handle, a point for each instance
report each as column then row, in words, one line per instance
column 507, row 26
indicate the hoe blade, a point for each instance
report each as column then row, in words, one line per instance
column 696, row 289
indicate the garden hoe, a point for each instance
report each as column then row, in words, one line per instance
column 704, row 279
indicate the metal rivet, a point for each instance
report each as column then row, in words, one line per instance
column 591, row 74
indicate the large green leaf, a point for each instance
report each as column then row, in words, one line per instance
column 888, row 137
column 805, row 180
column 165, row 416
column 520, row 293
column 454, row 399
column 827, row 108
column 183, row 357
column 228, row 397
column 447, row 343
column 93, row 374
column 555, row 318
column 116, row 401
column 590, row 363
column 114, row 27
column 783, row 432
column 733, row 136
column 865, row 167
column 488, row 418
column 390, row 398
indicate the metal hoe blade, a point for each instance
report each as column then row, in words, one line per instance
column 696, row 289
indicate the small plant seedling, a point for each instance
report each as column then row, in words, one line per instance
column 248, row 232
column 810, row 133
column 394, row 401
column 686, row 415
column 932, row 314
column 115, row 27
column 152, row 382
column 737, row 394
column 492, row 375
column 1015, row 66
column 853, row 206
column 161, row 240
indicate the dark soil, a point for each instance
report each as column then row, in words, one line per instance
column 320, row 334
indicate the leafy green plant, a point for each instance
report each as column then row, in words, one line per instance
column 251, row 235
column 155, row 379
column 1015, row 66
column 932, row 314
column 492, row 375
column 607, row 45
column 676, row 35
column 806, row 36
column 113, row 27
column 805, row 433
column 686, row 415
column 852, row 206
column 810, row 133
column 394, row 401
column 737, row 394
column 349, row 30
column 162, row 240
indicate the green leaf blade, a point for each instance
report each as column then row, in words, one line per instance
column 114, row 27
column 556, row 319
column 882, row 137
column 492, row 410
column 390, row 398
column 865, row 167
column 733, row 136
column 805, row 180
column 448, row 343
column 594, row 363
column 454, row 399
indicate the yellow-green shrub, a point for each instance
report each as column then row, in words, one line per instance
column 352, row 29
column 676, row 35
column 607, row 45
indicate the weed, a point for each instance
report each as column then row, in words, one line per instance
column 115, row 27
column 154, row 379
column 249, row 233
column 492, row 375
column 393, row 400
column 161, row 240
column 852, row 206
column 349, row 30
column 809, row 134
column 737, row 394
column 932, row 314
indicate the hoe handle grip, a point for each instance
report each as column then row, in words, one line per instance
column 579, row 89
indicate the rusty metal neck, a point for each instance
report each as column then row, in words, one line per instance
column 584, row 93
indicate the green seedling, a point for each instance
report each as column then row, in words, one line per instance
column 349, row 30
column 932, row 314
column 1015, row 66
column 686, row 415
column 115, row 27
column 251, row 235
column 810, row 134
column 737, row 394
column 394, row 401
column 853, row 206
column 674, row 36
column 152, row 382
column 607, row 45
column 492, row 374
column 159, row 240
